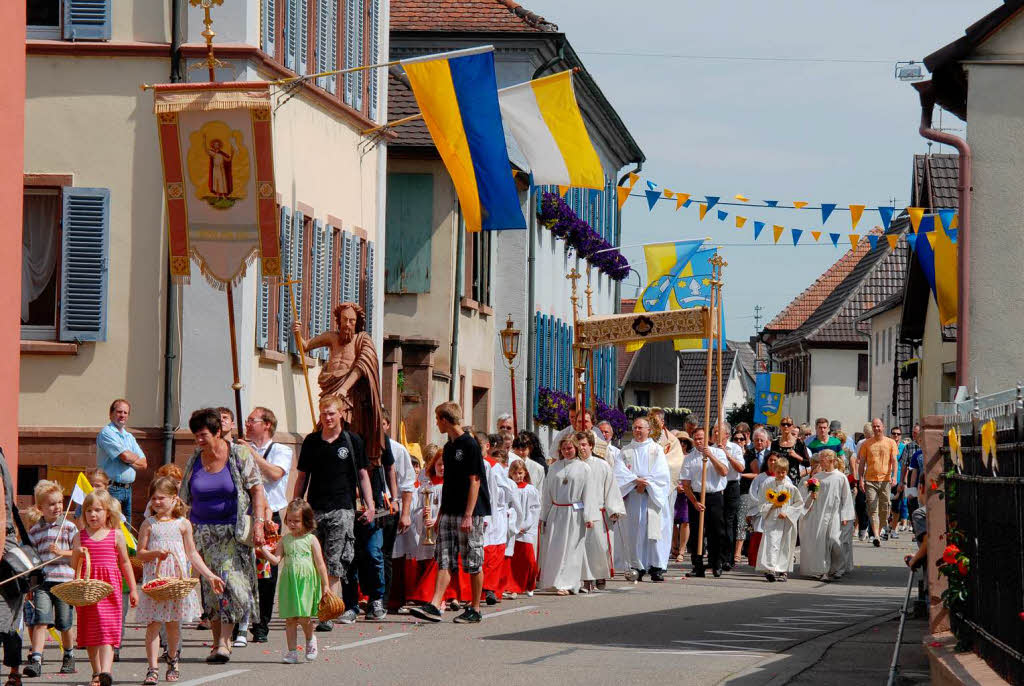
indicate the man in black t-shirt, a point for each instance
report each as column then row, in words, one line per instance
column 332, row 465
column 460, row 527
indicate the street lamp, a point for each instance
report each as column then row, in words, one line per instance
column 510, row 349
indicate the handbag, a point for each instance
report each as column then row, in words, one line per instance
column 17, row 559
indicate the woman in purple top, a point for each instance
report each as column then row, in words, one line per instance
column 222, row 484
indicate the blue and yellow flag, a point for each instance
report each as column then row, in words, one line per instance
column 665, row 263
column 693, row 289
column 937, row 254
column 769, row 391
column 458, row 95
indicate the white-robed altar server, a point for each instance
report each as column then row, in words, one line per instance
column 826, row 512
column 597, row 563
column 645, row 533
column 565, row 505
column 780, row 506
column 500, row 526
column 522, row 575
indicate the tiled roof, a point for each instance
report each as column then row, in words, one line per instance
column 935, row 181
column 692, row 371
column 804, row 305
column 466, row 15
column 745, row 355
column 402, row 103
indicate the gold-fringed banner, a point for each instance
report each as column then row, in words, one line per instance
column 217, row 151
column 615, row 329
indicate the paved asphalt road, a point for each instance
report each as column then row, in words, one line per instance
column 737, row 630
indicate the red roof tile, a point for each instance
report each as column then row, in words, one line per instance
column 465, row 15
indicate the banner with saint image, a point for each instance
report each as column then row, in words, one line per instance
column 217, row 151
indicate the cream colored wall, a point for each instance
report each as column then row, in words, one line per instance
column 881, row 368
column 87, row 116
column 935, row 352
column 147, row 21
column 834, row 391
column 317, row 162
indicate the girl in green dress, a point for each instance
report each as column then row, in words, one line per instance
column 302, row 579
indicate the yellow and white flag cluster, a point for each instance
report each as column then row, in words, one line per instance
column 84, row 488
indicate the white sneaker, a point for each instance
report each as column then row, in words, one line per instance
column 529, row 594
column 312, row 652
column 241, row 641
column 291, row 657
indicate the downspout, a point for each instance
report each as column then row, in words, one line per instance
column 460, row 269
column 964, row 188
column 171, row 319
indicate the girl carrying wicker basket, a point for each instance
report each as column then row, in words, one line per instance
column 169, row 593
column 102, row 544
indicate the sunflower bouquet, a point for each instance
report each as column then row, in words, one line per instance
column 777, row 498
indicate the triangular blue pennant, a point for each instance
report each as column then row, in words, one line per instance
column 771, row 203
column 927, row 224
column 953, row 233
column 886, row 214
column 758, row 228
column 946, row 215
column 687, row 203
column 835, row 239
column 873, row 240
column 651, row 185
column 712, row 200
column 912, row 240
column 652, row 197
column 826, row 210
column 722, row 215
column 796, row 235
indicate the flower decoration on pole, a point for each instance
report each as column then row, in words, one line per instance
column 565, row 224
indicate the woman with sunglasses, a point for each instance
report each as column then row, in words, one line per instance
column 792, row 448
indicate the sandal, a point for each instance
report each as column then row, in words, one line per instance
column 14, row 679
column 152, row 677
column 173, row 674
column 680, row 559
column 218, row 658
column 562, row 591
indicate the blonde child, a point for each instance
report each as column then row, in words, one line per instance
column 167, row 533
column 780, row 505
column 53, row 537
column 301, row 579
column 99, row 625
column 523, row 570
column 171, row 471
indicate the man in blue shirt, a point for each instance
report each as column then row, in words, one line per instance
column 119, row 455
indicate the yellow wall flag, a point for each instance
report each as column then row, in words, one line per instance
column 740, row 221
column 855, row 212
column 681, row 199
column 893, row 239
column 816, row 234
column 623, row 192
column 915, row 217
column 799, row 204
column 854, row 240
column 777, row 231
column 703, row 210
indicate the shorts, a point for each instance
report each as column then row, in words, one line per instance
column 453, row 542
column 335, row 529
column 51, row 610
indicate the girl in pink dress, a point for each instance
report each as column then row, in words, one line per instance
column 99, row 625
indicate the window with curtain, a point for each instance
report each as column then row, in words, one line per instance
column 40, row 250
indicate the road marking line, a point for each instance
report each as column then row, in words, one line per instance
column 489, row 615
column 366, row 642
column 753, row 636
column 737, row 653
column 709, row 644
column 834, row 614
column 780, row 628
column 212, row 677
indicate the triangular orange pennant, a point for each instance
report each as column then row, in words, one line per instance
column 777, row 230
column 799, row 204
column 623, row 194
column 854, row 240
column 668, row 193
column 893, row 239
column 816, row 234
column 855, row 212
column 633, row 178
column 562, row 190
column 915, row 217
column 931, row 237
column 681, row 199
column 703, row 210
column 956, row 222
column 741, row 197
column 740, row 221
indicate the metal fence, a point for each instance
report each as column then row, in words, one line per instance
column 986, row 504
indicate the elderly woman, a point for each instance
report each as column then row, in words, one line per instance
column 220, row 483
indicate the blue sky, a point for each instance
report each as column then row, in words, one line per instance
column 787, row 128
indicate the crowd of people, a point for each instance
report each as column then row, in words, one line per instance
column 483, row 518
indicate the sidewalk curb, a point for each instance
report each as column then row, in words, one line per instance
column 807, row 654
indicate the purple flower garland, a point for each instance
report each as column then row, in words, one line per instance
column 553, row 410
column 563, row 223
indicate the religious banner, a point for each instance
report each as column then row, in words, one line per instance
column 217, row 151
column 769, row 390
column 613, row 329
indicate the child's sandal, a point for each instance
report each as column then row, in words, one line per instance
column 152, row 677
column 172, row 668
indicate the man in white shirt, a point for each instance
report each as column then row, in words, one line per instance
column 732, row 498
column 714, row 477
column 405, row 481
column 645, row 533
column 274, row 461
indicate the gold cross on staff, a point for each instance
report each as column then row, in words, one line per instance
column 208, row 33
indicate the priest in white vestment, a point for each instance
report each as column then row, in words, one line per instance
column 826, row 512
column 642, row 473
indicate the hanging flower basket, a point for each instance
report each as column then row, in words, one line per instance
column 557, row 216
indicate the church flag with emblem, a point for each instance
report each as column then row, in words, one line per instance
column 769, row 391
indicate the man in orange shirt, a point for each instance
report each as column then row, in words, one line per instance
column 876, row 462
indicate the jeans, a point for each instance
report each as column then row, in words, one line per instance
column 714, row 530
column 124, row 496
column 389, row 530
column 367, row 570
column 877, row 494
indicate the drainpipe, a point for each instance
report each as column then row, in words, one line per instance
column 171, row 319
column 964, row 189
column 460, row 269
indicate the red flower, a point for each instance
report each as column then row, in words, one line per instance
column 934, row 485
column 1021, row 616
column 962, row 568
column 950, row 553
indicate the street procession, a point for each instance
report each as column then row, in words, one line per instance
column 452, row 341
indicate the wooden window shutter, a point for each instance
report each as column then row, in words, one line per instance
column 86, row 20
column 268, row 25
column 303, row 39
column 542, row 350
column 284, row 318
column 327, row 44
column 85, row 245
column 370, row 290
column 409, row 223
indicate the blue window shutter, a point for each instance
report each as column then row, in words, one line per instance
column 370, row 290
column 303, row 49
column 291, row 34
column 287, row 272
column 268, row 13
column 331, row 60
column 331, row 275
column 85, row 245
column 87, row 20
column 374, row 75
column 318, row 305
column 357, row 270
column 350, row 49
column 323, row 27
column 409, row 222
column 346, row 268
column 299, row 262
column 566, row 358
column 263, row 313
column 549, row 356
column 360, row 53
column 535, row 342
column 541, row 350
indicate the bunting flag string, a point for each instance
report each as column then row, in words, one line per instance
column 796, row 235
column 855, row 212
column 816, row 234
column 758, row 227
column 682, row 200
column 777, row 231
column 886, row 214
column 835, row 239
column 722, row 215
column 703, row 210
column 740, row 221
column 826, row 211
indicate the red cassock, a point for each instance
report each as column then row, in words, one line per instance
column 494, row 568
column 522, row 576
column 752, row 545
